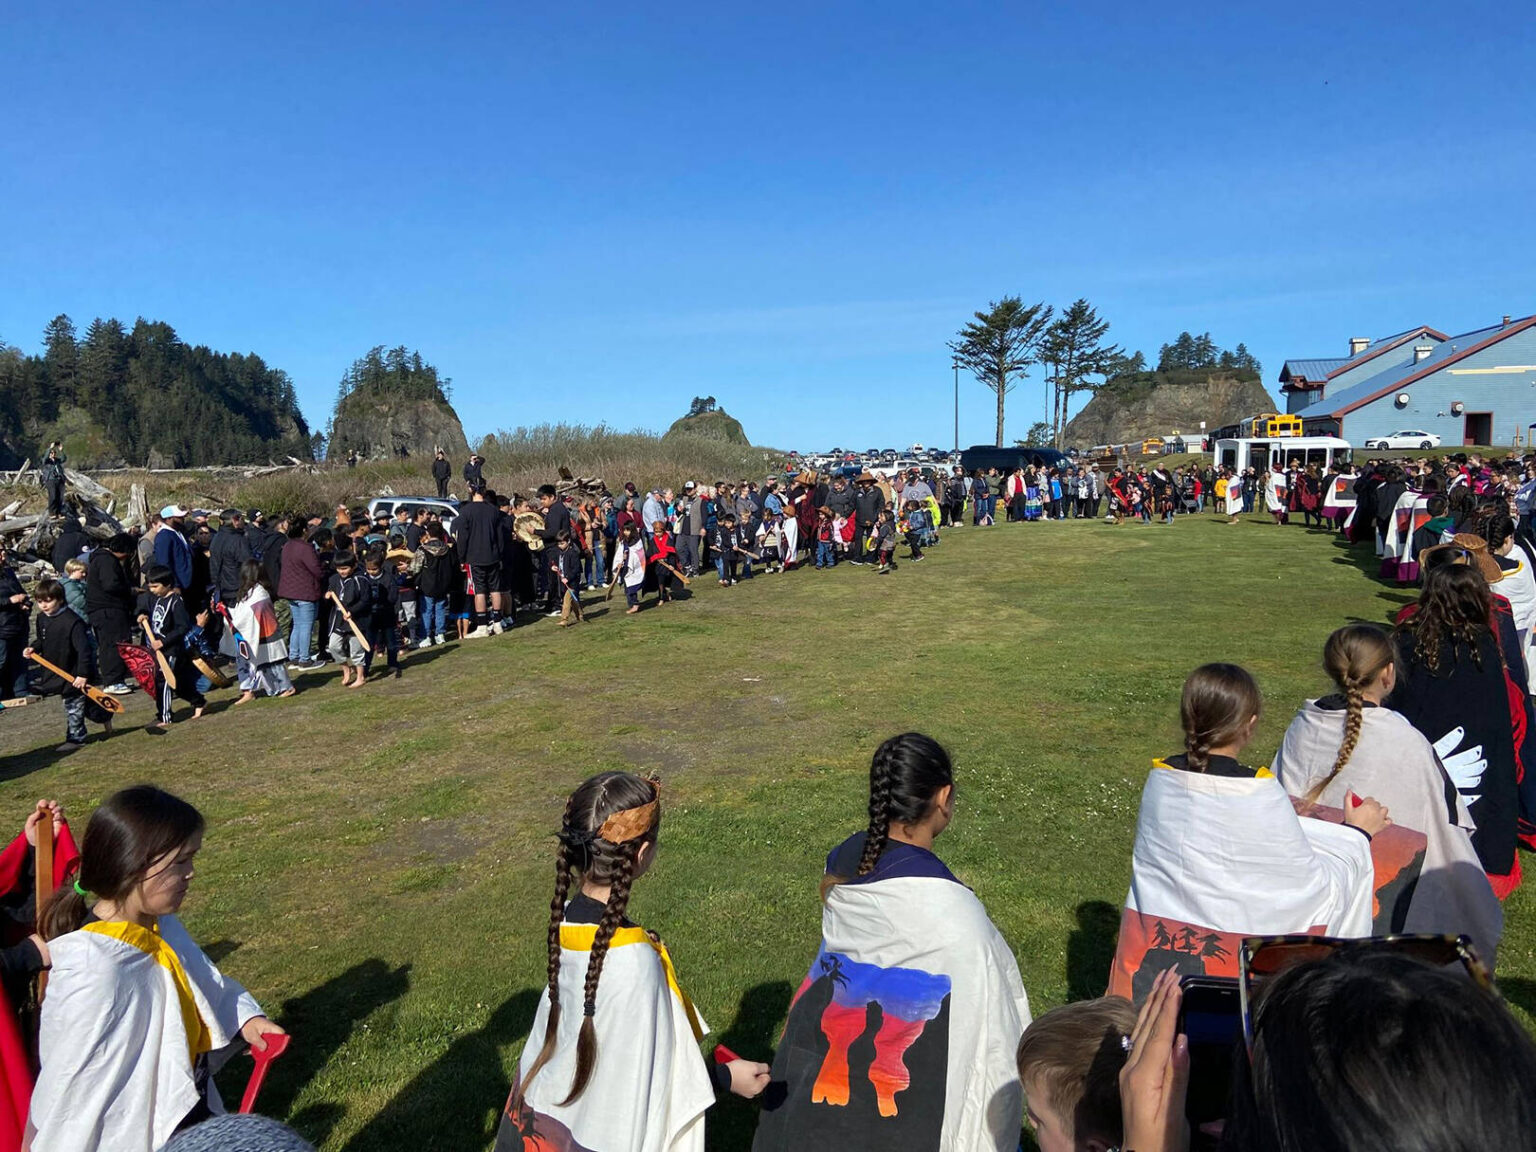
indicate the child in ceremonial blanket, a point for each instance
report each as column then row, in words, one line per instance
column 624, row 1074
column 933, row 1068
column 629, row 565
column 1349, row 741
column 1221, row 854
column 23, row 954
column 137, row 1018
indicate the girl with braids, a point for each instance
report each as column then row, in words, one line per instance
column 1349, row 741
column 1221, row 854
column 1453, row 685
column 137, row 1018
column 904, row 1032
column 613, row 1061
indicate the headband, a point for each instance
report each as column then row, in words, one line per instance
column 623, row 826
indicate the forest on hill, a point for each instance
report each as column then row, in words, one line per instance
column 144, row 396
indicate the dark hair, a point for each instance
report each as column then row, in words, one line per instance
column 323, row 538
column 563, row 536
column 251, row 578
column 905, row 775
column 1454, row 611
column 546, row 489
column 583, row 854
column 1218, row 702
column 436, row 531
column 1435, row 506
column 1376, row 1052
column 129, row 832
column 159, row 574
column 48, row 589
column 296, row 528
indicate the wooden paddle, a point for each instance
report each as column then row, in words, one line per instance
column 43, row 875
column 674, row 571
column 111, row 703
column 165, row 665
column 351, row 623
column 215, row 677
column 572, row 603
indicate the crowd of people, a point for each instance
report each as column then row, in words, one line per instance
column 1344, row 902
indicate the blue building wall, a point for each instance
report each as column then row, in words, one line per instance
column 1360, row 373
column 1296, row 401
column 1510, row 395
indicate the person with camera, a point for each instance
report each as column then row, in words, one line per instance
column 52, row 472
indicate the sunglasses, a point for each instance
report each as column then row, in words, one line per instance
column 1262, row 957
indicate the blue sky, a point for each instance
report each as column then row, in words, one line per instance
column 594, row 212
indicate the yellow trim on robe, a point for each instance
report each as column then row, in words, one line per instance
column 1258, row 773
column 149, row 942
column 580, row 937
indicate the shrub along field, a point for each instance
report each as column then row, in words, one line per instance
column 377, row 867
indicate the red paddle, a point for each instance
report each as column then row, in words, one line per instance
column 277, row 1044
column 724, row 1055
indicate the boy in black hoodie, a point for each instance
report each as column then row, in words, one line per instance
column 169, row 624
column 348, row 587
column 724, row 543
column 383, row 607
column 566, row 572
column 62, row 639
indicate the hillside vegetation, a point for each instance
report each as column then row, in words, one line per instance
column 143, row 396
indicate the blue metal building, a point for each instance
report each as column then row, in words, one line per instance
column 1305, row 382
column 1475, row 388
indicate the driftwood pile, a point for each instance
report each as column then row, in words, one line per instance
column 582, row 487
column 30, row 537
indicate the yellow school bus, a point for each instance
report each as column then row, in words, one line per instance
column 1273, row 424
column 1152, row 447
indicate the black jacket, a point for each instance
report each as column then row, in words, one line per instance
column 568, row 561
column 353, row 592
column 557, row 518
column 107, row 588
column 868, row 503
column 229, row 549
column 841, row 502
column 61, row 640
column 441, row 469
column 170, row 621
column 477, row 531
column 71, row 542
column 272, row 555
column 473, row 473
column 435, row 576
column 13, row 617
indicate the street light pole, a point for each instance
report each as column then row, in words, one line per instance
column 956, row 367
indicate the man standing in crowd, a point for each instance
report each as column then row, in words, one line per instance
column 690, row 528
column 868, row 503
column 441, row 470
column 651, row 511
column 480, row 548
column 231, row 547
column 954, row 501
column 474, row 471
column 52, row 472
column 557, row 519
column 71, row 541
column 15, row 632
column 171, row 548
column 109, row 603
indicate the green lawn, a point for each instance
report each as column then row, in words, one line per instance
column 377, row 867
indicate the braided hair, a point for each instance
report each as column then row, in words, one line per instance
column 584, row 855
column 905, row 775
column 1218, row 702
column 1355, row 657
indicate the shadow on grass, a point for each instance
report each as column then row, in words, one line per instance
column 445, row 1105
column 752, row 1036
column 1521, row 993
column 321, row 1021
column 1091, row 949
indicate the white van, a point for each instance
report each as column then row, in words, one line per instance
column 1324, row 451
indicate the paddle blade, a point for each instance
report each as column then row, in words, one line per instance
column 277, row 1044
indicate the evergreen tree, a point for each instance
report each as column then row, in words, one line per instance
column 999, row 346
column 1075, row 347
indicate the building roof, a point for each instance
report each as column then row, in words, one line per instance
column 1449, row 351
column 1312, row 371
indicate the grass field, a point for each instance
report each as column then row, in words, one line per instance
column 377, row 867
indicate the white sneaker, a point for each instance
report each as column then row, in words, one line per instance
column 121, row 688
column 480, row 633
column 497, row 628
column 439, row 640
column 555, row 615
column 426, row 642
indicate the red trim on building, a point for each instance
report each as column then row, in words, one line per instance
column 1414, row 377
column 1423, row 330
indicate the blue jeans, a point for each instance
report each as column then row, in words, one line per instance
column 825, row 556
column 434, row 616
column 304, row 612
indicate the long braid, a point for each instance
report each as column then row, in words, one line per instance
column 613, row 916
column 1197, row 748
column 880, row 773
column 1354, row 717
column 566, row 866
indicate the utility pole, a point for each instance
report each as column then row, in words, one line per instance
column 956, row 366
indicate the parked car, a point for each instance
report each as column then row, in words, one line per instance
column 447, row 510
column 1408, row 439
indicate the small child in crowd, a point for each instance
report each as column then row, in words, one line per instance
column 769, row 536
column 725, row 541
column 62, row 640
column 917, row 524
column 382, row 610
column 346, row 649
column 405, row 595
column 884, row 542
column 74, row 586
column 826, row 539
column 1069, row 1064
column 629, row 564
column 169, row 623
column 567, row 569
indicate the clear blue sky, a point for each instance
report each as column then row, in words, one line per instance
column 593, row 212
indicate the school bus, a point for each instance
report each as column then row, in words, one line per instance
column 1153, row 446
column 1270, row 425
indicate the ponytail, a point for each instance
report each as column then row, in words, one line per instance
column 905, row 775
column 1355, row 656
column 1217, row 703
column 65, row 909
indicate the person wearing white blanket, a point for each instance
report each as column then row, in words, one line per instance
column 1351, row 741
column 1220, row 853
column 137, row 1019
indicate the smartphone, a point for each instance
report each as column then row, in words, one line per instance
column 1210, row 1014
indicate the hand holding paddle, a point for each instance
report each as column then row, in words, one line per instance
column 95, row 695
column 158, row 646
column 351, row 623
